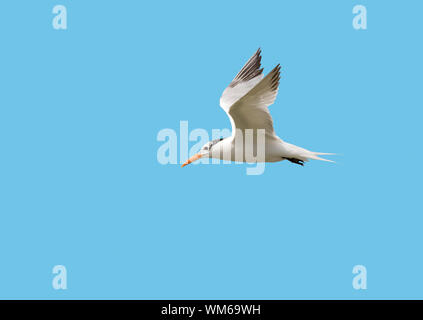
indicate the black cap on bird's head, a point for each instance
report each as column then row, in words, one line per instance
column 210, row 144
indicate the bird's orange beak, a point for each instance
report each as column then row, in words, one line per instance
column 192, row 159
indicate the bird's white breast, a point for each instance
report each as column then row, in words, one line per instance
column 250, row 150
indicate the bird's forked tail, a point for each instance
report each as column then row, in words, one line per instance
column 315, row 156
column 304, row 154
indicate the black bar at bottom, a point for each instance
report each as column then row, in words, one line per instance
column 206, row 309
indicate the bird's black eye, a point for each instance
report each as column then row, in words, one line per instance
column 220, row 139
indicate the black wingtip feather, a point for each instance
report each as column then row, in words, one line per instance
column 250, row 70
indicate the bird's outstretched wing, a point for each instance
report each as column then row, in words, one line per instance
column 248, row 96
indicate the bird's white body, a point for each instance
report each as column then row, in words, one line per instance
column 275, row 149
column 246, row 101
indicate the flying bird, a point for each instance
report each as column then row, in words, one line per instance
column 246, row 101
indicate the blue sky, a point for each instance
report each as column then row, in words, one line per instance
column 80, row 184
